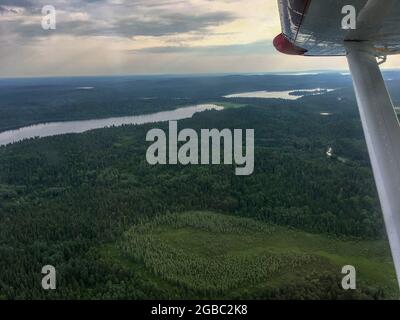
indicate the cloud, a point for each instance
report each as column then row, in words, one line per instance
column 113, row 18
column 259, row 47
column 95, row 37
column 161, row 25
column 16, row 3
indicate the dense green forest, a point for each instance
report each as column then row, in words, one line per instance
column 90, row 205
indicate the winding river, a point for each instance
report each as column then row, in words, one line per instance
column 57, row 128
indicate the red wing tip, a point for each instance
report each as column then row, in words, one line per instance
column 283, row 45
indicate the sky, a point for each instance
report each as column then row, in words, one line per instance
column 112, row 37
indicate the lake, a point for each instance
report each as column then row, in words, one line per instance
column 287, row 95
column 57, row 128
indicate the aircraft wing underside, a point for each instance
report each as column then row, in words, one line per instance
column 314, row 27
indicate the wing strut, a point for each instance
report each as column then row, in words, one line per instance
column 382, row 133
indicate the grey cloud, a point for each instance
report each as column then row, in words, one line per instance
column 152, row 24
column 16, row 3
column 259, row 47
column 170, row 24
column 8, row 5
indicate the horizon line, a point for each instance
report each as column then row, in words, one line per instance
column 205, row 74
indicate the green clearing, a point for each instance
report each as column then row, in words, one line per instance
column 213, row 255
